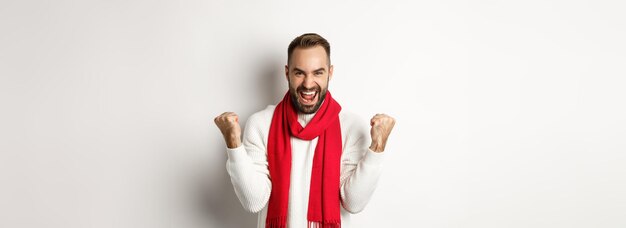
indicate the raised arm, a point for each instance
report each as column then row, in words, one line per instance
column 247, row 161
column 362, row 166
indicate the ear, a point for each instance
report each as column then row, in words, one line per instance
column 330, row 72
column 287, row 72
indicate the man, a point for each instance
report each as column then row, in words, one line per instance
column 305, row 162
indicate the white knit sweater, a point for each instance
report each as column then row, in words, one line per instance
column 248, row 168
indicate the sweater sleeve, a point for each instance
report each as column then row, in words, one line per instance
column 248, row 168
column 360, row 169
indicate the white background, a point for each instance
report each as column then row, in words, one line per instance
column 510, row 113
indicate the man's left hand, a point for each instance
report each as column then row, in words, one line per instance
column 382, row 125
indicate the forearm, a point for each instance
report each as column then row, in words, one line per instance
column 250, row 179
column 359, row 183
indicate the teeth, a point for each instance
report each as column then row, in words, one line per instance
column 308, row 93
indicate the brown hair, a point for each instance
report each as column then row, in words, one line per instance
column 308, row 40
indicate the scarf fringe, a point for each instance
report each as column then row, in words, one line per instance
column 278, row 222
column 324, row 224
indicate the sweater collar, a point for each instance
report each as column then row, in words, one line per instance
column 304, row 119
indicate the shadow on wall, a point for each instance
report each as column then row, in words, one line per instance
column 217, row 200
column 271, row 86
column 216, row 197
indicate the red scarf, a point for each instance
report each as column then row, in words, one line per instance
column 324, row 195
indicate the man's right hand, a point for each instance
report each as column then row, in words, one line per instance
column 228, row 123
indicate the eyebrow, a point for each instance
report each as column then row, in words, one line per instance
column 298, row 69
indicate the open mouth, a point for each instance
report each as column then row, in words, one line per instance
column 308, row 97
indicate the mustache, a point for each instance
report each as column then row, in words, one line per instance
column 302, row 88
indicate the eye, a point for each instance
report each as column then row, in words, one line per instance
column 299, row 73
column 319, row 73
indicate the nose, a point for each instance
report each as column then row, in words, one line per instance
column 308, row 82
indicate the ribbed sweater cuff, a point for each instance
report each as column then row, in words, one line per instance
column 373, row 158
column 237, row 154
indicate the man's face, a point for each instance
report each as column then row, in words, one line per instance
column 308, row 73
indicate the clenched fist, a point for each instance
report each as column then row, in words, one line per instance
column 228, row 123
column 381, row 128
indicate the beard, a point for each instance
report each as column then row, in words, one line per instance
column 307, row 109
